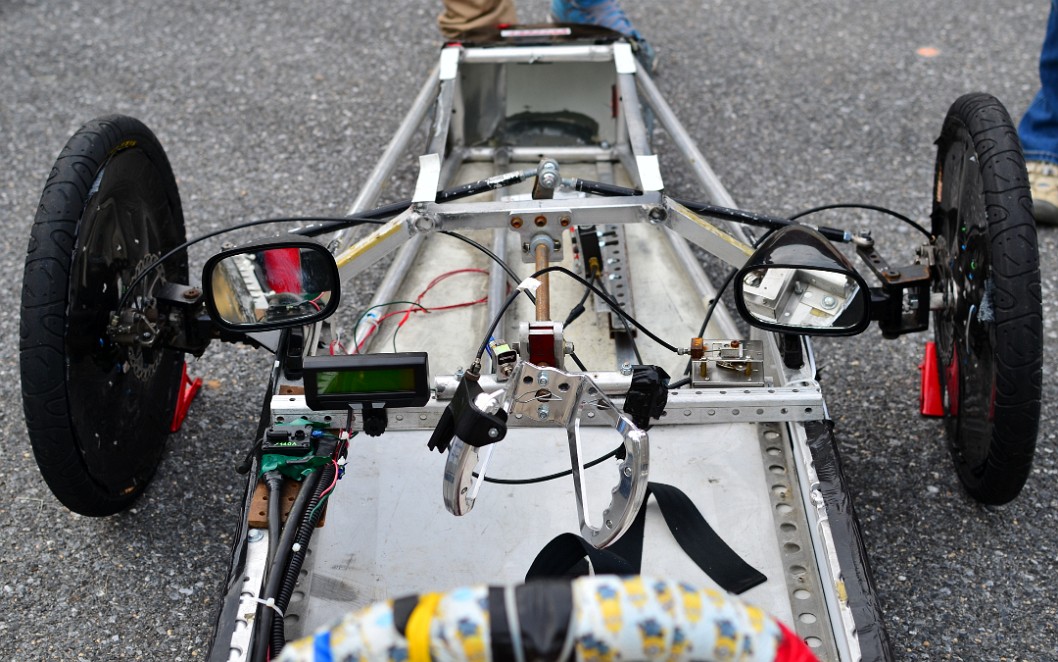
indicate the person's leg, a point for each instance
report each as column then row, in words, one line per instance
column 607, row 14
column 462, row 16
column 1038, row 129
column 604, row 13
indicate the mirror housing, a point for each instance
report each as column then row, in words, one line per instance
column 798, row 282
column 271, row 284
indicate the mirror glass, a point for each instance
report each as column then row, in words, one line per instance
column 273, row 285
column 804, row 299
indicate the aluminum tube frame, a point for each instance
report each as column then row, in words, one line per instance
column 372, row 188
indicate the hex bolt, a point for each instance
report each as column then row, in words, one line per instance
column 543, row 379
column 542, row 411
column 626, row 368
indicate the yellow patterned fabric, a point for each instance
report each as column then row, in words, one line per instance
column 615, row 619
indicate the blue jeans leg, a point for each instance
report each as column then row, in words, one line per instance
column 1039, row 126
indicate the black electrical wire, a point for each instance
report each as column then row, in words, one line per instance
column 616, row 307
column 679, row 383
column 576, row 359
column 628, row 332
column 305, row 528
column 855, row 205
column 492, row 256
column 446, row 195
column 554, row 476
column 578, row 309
column 274, row 480
column 352, row 220
column 709, row 313
column 276, row 572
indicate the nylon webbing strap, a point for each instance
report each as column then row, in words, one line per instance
column 565, row 555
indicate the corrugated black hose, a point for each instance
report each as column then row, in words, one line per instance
column 276, row 572
column 297, row 559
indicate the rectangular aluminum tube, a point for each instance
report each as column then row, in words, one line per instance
column 536, row 54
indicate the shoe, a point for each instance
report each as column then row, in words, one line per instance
column 606, row 14
column 1043, row 180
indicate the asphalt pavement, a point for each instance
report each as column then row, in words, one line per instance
column 269, row 108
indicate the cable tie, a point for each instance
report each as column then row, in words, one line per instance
column 270, row 603
column 529, row 285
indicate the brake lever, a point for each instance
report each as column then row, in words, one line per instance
column 550, row 395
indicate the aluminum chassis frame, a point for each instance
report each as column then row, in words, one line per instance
column 792, row 398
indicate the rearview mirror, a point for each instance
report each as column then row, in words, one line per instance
column 271, row 284
column 798, row 282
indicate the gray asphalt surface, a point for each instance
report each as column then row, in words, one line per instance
column 272, row 108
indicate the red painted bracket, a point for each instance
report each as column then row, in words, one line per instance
column 929, row 398
column 188, row 391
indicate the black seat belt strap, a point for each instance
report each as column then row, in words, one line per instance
column 565, row 555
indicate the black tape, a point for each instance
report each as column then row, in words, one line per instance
column 545, row 611
column 852, row 554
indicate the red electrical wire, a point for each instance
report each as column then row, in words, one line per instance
column 418, row 300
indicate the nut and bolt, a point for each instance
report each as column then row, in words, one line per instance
column 542, row 411
column 626, row 368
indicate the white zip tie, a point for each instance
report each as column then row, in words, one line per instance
column 270, row 603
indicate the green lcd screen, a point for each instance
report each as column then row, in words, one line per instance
column 374, row 380
column 390, row 380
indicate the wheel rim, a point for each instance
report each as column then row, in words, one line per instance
column 965, row 329
column 124, row 392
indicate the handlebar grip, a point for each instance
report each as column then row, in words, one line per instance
column 602, row 617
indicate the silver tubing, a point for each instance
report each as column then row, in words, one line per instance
column 705, row 174
column 405, row 257
column 702, row 285
column 387, row 289
column 397, row 146
column 534, row 154
column 534, row 54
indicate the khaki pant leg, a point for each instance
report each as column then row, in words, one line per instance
column 464, row 15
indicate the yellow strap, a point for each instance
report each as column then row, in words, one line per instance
column 417, row 631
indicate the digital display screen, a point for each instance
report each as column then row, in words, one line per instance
column 374, row 380
column 379, row 380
